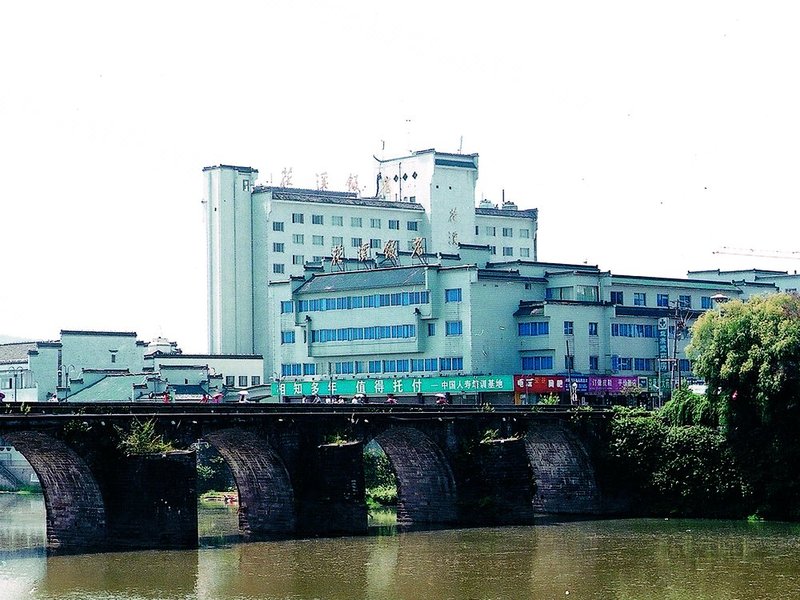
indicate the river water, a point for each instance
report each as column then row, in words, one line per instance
column 597, row 559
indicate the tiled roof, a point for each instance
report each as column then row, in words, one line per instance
column 16, row 352
column 364, row 279
column 112, row 388
column 326, row 197
column 499, row 212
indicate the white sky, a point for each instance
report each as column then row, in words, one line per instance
column 647, row 134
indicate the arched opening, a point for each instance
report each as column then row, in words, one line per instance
column 380, row 484
column 75, row 515
column 563, row 473
column 426, row 490
column 265, row 494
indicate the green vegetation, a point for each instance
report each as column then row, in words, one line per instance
column 213, row 473
column 142, row 438
column 733, row 451
column 379, row 478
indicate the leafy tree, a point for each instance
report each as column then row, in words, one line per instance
column 749, row 355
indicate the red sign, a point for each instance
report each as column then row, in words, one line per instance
column 540, row 384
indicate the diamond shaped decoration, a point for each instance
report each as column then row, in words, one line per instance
column 414, row 175
column 396, row 178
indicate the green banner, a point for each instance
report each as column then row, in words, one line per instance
column 401, row 386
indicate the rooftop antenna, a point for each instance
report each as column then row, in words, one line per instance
column 408, row 135
column 460, row 144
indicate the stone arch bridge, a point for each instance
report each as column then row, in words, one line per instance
column 298, row 469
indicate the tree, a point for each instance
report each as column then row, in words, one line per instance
column 749, row 355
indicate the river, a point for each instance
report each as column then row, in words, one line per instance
column 598, row 559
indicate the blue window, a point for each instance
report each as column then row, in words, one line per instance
column 431, row 329
column 684, row 365
column 290, row 369
column 389, row 366
column 374, row 366
column 569, row 327
column 452, row 328
column 639, row 299
column 594, row 362
column 402, row 366
column 445, row 364
column 394, row 224
column 417, row 364
column 633, row 330
column 287, row 337
column 592, row 328
column 277, row 226
column 452, row 295
column 317, row 220
column 458, row 363
column 534, row 328
column 705, row 302
column 662, row 300
column 685, row 301
column 343, row 368
column 287, row 306
column 537, row 363
column 309, row 368
column 617, row 298
column 412, row 225
column 431, row 364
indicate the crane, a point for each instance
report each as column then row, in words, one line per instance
column 780, row 254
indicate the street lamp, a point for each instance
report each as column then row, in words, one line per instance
column 17, row 372
column 276, row 378
column 64, row 371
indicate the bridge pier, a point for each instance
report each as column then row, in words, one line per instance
column 151, row 501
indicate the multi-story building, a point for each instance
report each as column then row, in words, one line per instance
column 257, row 235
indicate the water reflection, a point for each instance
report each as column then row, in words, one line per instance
column 621, row 559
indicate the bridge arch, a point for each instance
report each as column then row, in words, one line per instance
column 563, row 474
column 426, row 488
column 266, row 495
column 75, row 511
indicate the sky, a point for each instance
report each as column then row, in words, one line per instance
column 653, row 137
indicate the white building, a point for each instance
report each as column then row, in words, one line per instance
column 258, row 235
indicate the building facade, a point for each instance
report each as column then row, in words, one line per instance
column 423, row 203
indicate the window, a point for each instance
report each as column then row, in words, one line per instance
column 297, row 217
column 662, row 299
column 508, row 251
column 491, row 230
column 458, row 363
column 343, row 368
column 230, row 380
column 278, row 268
column 298, row 259
column 355, row 221
column 242, row 380
column 492, row 249
column 617, row 298
column 374, row 366
column 309, row 368
column 644, row 364
column 287, row 306
column 375, row 223
column 290, row 369
column 592, row 328
column 633, row 330
column 337, row 240
column 594, row 363
column 625, row 364
column 277, row 226
column 394, row 224
column 537, row 363
column 639, row 299
column 452, row 295
column 524, row 233
column 375, row 243
column 412, row 225
column 318, row 240
column 569, row 362
column 685, row 301
column 389, row 366
column 277, row 247
column 287, row 337
column 113, row 357
column 355, row 242
column 705, row 302
column 245, row 185
column 417, row 364
column 317, row 220
column 569, row 327
column 559, row 293
column 452, row 328
column 402, row 366
column 508, row 232
column 534, row 328
column 298, row 238
column 525, row 252
column 255, row 380
column 431, row 329
column 338, row 221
